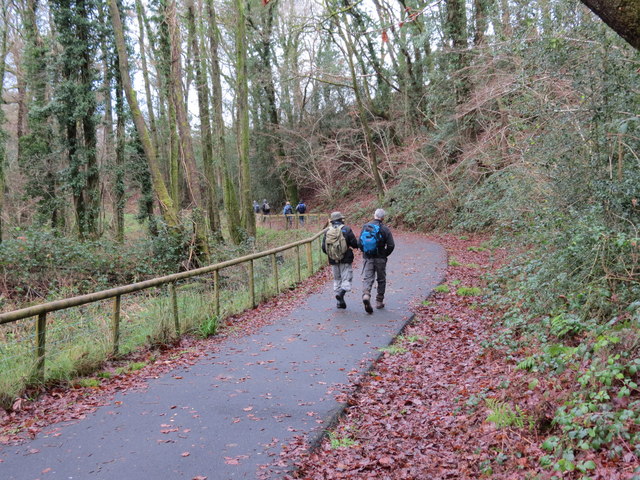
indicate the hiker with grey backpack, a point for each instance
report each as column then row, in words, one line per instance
column 376, row 243
column 337, row 243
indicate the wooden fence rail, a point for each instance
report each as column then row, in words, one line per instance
column 41, row 311
column 294, row 220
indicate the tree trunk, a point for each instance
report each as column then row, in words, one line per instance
column 362, row 111
column 89, row 131
column 108, row 67
column 247, row 217
column 119, row 197
column 194, row 185
column 456, row 29
column 22, row 109
column 202, row 88
column 35, row 157
column 480, row 8
column 381, row 83
column 3, row 136
column 174, row 151
column 164, row 67
column 76, row 112
column 505, row 25
column 169, row 212
column 145, row 73
column 269, row 89
column 228, row 188
column 623, row 16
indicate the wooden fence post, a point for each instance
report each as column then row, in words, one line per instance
column 174, row 306
column 41, row 338
column 298, row 277
column 252, row 286
column 115, row 326
column 216, row 290
column 274, row 266
column 309, row 258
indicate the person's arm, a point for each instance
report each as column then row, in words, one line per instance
column 351, row 239
column 359, row 242
column 390, row 244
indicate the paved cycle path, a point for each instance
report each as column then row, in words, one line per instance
column 228, row 416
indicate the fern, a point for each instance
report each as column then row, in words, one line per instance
column 528, row 363
column 503, row 415
column 566, row 325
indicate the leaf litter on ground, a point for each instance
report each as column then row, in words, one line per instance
column 424, row 413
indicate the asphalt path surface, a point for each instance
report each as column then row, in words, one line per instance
column 229, row 415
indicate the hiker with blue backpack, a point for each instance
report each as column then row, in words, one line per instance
column 287, row 211
column 301, row 208
column 337, row 243
column 376, row 243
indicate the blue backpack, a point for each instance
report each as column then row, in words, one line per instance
column 370, row 237
column 301, row 208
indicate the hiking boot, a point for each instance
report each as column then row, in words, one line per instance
column 340, row 299
column 366, row 300
column 379, row 304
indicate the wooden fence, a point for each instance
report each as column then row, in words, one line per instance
column 295, row 220
column 39, row 312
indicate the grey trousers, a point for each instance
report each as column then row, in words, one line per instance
column 342, row 277
column 374, row 268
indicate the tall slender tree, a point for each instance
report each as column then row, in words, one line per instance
column 37, row 158
column 202, row 89
column 140, row 13
column 192, row 176
column 456, row 35
column 269, row 124
column 108, row 62
column 344, row 31
column 74, row 105
column 169, row 212
column 242, row 108
column 228, row 187
column 163, row 57
column 119, row 184
column 4, row 26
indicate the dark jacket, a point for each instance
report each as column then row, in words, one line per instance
column 351, row 240
column 385, row 246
